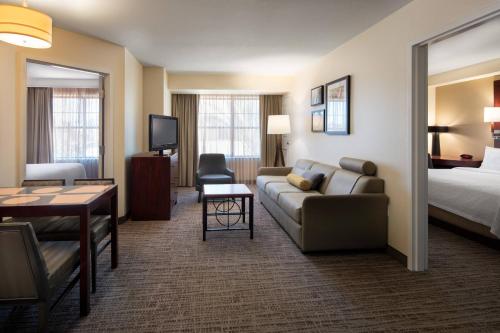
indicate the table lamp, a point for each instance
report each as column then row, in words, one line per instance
column 492, row 115
column 436, row 144
column 278, row 125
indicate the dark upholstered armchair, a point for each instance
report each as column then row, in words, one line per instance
column 212, row 170
column 31, row 271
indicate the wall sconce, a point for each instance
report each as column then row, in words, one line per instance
column 436, row 144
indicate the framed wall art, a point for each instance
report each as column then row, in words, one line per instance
column 317, row 96
column 337, row 116
column 318, row 121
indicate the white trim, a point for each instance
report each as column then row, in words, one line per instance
column 418, row 251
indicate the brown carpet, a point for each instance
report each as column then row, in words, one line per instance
column 169, row 280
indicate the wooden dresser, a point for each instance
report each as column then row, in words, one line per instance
column 153, row 192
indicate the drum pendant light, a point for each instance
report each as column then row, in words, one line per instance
column 23, row 26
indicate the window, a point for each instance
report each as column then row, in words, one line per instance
column 76, row 124
column 229, row 124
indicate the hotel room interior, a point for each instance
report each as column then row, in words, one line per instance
column 250, row 166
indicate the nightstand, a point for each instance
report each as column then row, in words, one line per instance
column 446, row 162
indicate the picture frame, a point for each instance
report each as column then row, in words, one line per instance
column 317, row 96
column 318, row 121
column 338, row 111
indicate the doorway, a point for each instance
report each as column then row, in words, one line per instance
column 419, row 127
column 65, row 122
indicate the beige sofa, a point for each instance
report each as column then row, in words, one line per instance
column 348, row 212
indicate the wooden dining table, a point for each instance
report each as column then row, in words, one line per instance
column 66, row 201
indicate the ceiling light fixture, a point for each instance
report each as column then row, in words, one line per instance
column 24, row 26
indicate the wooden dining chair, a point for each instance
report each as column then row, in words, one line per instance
column 64, row 228
column 43, row 182
column 33, row 271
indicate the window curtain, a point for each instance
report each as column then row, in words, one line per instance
column 229, row 124
column 39, row 126
column 269, row 105
column 76, row 127
column 185, row 108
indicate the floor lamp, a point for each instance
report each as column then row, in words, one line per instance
column 278, row 125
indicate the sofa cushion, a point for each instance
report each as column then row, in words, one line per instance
column 366, row 168
column 316, row 178
column 327, row 171
column 342, row 182
column 262, row 181
column 291, row 203
column 299, row 181
column 301, row 166
column 275, row 189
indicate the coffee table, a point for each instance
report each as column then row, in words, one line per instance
column 224, row 198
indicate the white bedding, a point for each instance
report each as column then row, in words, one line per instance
column 472, row 193
column 67, row 171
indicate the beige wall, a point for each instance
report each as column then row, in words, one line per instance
column 8, row 148
column 379, row 61
column 477, row 71
column 178, row 82
column 155, row 97
column 460, row 106
column 76, row 50
column 133, row 114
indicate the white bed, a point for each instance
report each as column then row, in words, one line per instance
column 67, row 171
column 471, row 193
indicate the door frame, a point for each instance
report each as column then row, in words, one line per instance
column 418, row 260
column 102, row 90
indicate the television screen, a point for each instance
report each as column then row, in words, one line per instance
column 162, row 132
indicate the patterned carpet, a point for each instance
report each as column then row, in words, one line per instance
column 170, row 281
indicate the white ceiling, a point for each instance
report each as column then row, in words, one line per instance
column 472, row 47
column 39, row 71
column 250, row 36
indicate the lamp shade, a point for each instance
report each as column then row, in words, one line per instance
column 491, row 114
column 437, row 129
column 26, row 27
column 278, row 124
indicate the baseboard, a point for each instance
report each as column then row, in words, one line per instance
column 403, row 259
column 123, row 219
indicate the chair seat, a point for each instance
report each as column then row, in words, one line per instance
column 216, row 179
column 61, row 259
column 63, row 228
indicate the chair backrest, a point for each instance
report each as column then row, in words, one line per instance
column 212, row 164
column 94, row 181
column 43, row 182
column 105, row 208
column 23, row 267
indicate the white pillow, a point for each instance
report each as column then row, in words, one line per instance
column 491, row 160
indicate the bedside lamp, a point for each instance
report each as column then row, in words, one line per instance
column 436, row 144
column 492, row 115
column 278, row 125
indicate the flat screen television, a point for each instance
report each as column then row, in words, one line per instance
column 163, row 133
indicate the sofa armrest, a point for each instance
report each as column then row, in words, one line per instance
column 353, row 221
column 274, row 171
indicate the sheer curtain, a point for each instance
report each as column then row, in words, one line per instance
column 76, row 127
column 229, row 124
